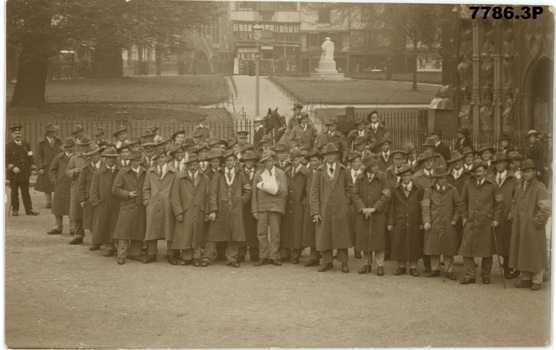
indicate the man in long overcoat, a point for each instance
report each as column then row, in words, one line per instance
column 75, row 165
column 404, row 222
column 331, row 196
column 481, row 210
column 47, row 148
column 229, row 192
column 104, row 202
column 332, row 135
column 441, row 214
column 160, row 215
column 309, row 227
column 371, row 196
column 248, row 161
column 189, row 197
column 508, row 185
column 457, row 175
column 291, row 231
column 130, row 228
column 84, row 186
column 62, row 185
column 531, row 208
column 305, row 131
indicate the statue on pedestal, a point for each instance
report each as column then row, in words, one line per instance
column 327, row 50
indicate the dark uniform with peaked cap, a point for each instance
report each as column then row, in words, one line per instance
column 19, row 164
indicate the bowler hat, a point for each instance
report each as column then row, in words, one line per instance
column 119, row 130
column 76, row 129
column 330, row 148
column 404, row 169
column 109, row 152
column 439, row 171
column 266, row 156
column 250, row 155
column 455, row 157
column 52, row 127
column 527, row 164
column 191, row 158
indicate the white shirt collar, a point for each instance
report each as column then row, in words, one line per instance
column 457, row 173
column 96, row 165
column 409, row 186
column 503, row 175
column 427, row 172
column 440, row 188
column 68, row 154
column 437, row 143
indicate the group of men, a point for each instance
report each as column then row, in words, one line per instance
column 212, row 199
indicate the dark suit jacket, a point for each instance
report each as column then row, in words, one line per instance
column 444, row 151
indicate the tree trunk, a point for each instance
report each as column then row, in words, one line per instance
column 107, row 61
column 32, row 69
column 414, row 84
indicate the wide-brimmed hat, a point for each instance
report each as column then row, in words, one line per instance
column 250, row 155
column 515, row 155
column 201, row 146
column 500, row 157
column 532, row 132
column 228, row 154
column 439, row 171
column 246, row 146
column 119, row 130
column 162, row 143
column 463, row 131
column 467, row 150
column 478, row 163
column 213, row 154
column 85, row 141
column 134, row 141
column 134, row 155
column 99, row 131
column 294, row 154
column 266, row 156
column 191, row 158
column 297, row 106
column 281, row 147
column 174, row 148
column 173, row 137
column 369, row 161
column 487, row 148
column 359, row 140
column 51, row 127
column 455, row 157
column 429, row 142
column 383, row 140
column 527, row 164
column 77, row 128
column 331, row 122
column 353, row 155
column 231, row 143
column 68, row 142
column 224, row 142
column 212, row 141
column 330, row 148
column 93, row 149
column 157, row 153
column 109, row 152
column 147, row 133
column 404, row 169
column 149, row 144
column 428, row 154
column 122, row 147
column 313, row 153
column 188, row 142
column 198, row 134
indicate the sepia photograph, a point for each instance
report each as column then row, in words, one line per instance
column 277, row 174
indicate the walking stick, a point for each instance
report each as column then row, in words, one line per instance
column 453, row 255
column 498, row 256
column 369, row 252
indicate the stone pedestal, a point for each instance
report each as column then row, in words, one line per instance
column 327, row 71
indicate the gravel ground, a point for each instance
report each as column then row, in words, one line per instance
column 59, row 295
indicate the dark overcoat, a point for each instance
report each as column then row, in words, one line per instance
column 83, row 190
column 190, row 199
column 228, row 203
column 77, row 161
column 504, row 231
column 19, row 157
column 309, row 233
column 480, row 206
column 292, row 223
column 331, row 199
column 307, row 135
column 101, row 197
column 61, row 183
column 460, row 181
column 440, row 208
column 371, row 194
column 249, row 221
column 132, row 217
column 44, row 155
column 531, row 209
column 404, row 214
column 156, row 197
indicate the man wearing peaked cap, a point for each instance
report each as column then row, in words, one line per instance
column 331, row 191
column 47, row 148
column 20, row 166
column 121, row 135
column 242, row 137
column 62, row 185
column 295, row 119
column 528, row 249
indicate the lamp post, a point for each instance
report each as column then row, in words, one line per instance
column 257, row 31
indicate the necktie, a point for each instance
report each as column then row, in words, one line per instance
column 331, row 172
column 229, row 175
column 406, row 187
column 159, row 171
column 479, row 183
column 499, row 179
column 525, row 183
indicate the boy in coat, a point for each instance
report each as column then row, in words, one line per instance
column 531, row 208
column 160, row 216
column 441, row 213
column 405, row 224
column 481, row 210
column 47, row 148
column 309, row 227
column 371, row 196
column 291, row 233
column 130, row 227
column 229, row 192
column 268, row 207
column 189, row 197
column 62, row 185
column 331, row 192
column 105, row 204
column 249, row 222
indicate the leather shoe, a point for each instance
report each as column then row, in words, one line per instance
column 467, row 281
column 108, row 253
column 285, row 259
column 326, row 267
column 515, row 273
column 121, row 261
column 204, row 263
column 15, row 213
column 276, row 262
column 195, row 262
column 435, row 273
column 345, row 267
column 149, row 259
column 240, row 258
column 400, row 271
column 295, row 260
column 508, row 274
column 365, row 269
column 172, row 260
column 380, row 271
column 54, row 232
column 535, row 286
column 135, row 258
column 524, row 284
column 427, row 269
column 32, row 212
column 76, row 240
column 486, row 280
column 94, row 246
column 233, row 264
column 312, row 263
column 261, row 262
column 414, row 272
column 357, row 254
column 49, row 205
column 451, row 276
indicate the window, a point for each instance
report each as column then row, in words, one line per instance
column 212, row 30
column 324, row 15
column 266, row 16
column 246, row 6
column 266, row 6
column 286, row 6
column 313, row 39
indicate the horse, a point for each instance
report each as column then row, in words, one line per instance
column 275, row 125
